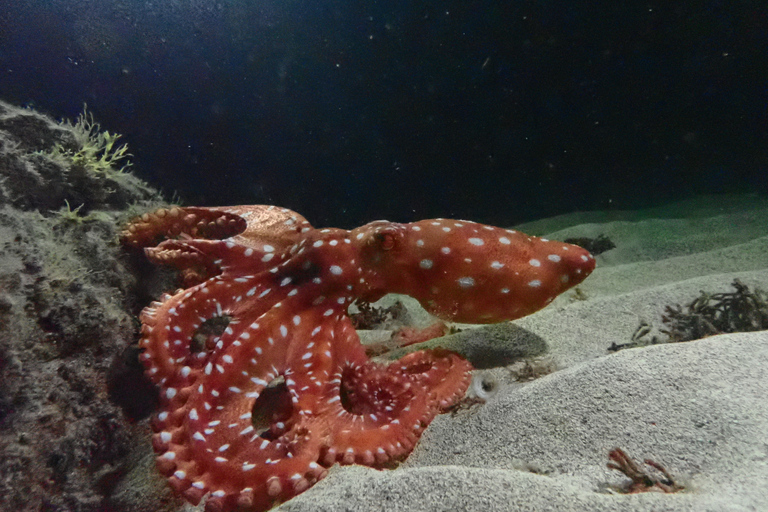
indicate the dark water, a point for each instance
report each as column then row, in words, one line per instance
column 347, row 111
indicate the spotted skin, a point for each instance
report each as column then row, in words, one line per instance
column 469, row 272
column 263, row 381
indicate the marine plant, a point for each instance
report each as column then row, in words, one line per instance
column 743, row 310
column 94, row 150
column 654, row 479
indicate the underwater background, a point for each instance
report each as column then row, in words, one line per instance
column 636, row 130
column 498, row 111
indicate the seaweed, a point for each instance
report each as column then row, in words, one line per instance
column 373, row 317
column 94, row 150
column 531, row 368
column 46, row 164
column 642, row 480
column 742, row 310
column 596, row 246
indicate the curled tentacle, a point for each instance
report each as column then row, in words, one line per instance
column 168, row 223
column 444, row 374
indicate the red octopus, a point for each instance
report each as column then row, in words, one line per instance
column 264, row 383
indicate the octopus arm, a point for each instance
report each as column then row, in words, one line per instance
column 376, row 413
column 151, row 228
column 178, row 330
column 199, row 260
column 445, row 374
column 249, row 225
column 240, row 434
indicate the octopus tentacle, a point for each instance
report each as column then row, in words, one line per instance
column 227, row 450
column 172, row 329
column 195, row 262
column 151, row 228
column 315, row 357
column 246, row 225
column 378, row 412
column 268, row 224
column 375, row 416
column 378, row 399
column 445, row 374
column 203, row 259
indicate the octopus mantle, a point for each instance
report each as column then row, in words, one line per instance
column 264, row 383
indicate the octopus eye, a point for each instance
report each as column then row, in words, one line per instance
column 386, row 240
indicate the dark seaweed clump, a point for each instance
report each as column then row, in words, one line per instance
column 742, row 310
column 596, row 246
column 376, row 317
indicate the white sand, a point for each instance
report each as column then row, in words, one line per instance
column 698, row 408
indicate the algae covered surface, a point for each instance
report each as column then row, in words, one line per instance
column 72, row 392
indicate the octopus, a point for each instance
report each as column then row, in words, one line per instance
column 264, row 383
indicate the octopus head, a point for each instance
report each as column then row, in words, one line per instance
column 467, row 272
